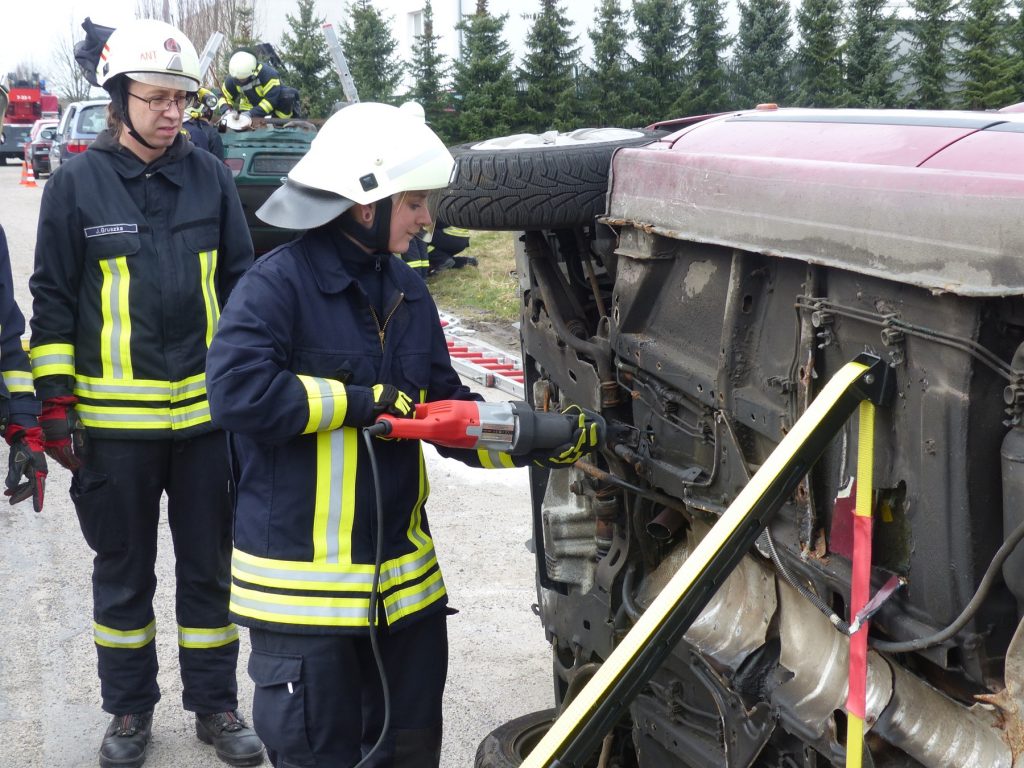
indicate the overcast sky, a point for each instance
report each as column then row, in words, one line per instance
column 30, row 31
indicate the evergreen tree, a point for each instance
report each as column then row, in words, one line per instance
column 244, row 35
column 660, row 72
column 606, row 89
column 763, row 57
column 819, row 56
column 707, row 82
column 370, row 49
column 483, row 80
column 1016, row 43
column 927, row 63
column 983, row 56
column 870, row 63
column 304, row 52
column 429, row 70
column 548, row 71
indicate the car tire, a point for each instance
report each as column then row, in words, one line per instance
column 509, row 744
column 502, row 184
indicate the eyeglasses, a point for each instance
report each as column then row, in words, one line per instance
column 162, row 105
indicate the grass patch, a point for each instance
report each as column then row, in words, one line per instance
column 485, row 292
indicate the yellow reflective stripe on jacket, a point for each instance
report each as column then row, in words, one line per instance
column 494, row 459
column 123, row 638
column 347, row 577
column 208, row 277
column 456, row 231
column 97, row 388
column 201, row 637
column 419, row 263
column 334, row 506
column 263, row 90
column 113, row 417
column 116, row 333
column 328, row 403
column 300, row 609
column 416, row 533
column 415, row 597
column 52, row 360
column 18, row 381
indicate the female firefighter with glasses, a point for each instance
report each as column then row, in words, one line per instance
column 322, row 336
column 141, row 238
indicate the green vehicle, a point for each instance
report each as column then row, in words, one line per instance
column 259, row 159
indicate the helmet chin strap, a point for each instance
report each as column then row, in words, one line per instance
column 119, row 100
column 376, row 236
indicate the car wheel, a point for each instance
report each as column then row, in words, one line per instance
column 507, row 745
column 528, row 181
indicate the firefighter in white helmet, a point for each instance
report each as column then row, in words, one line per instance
column 141, row 239
column 255, row 89
column 322, row 336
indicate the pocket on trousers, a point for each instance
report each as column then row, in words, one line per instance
column 90, row 497
column 278, row 708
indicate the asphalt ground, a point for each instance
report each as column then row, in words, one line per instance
column 50, row 714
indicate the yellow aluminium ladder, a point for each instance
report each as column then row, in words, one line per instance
column 602, row 702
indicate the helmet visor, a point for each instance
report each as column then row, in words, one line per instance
column 295, row 206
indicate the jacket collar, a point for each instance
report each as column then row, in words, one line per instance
column 129, row 166
column 322, row 253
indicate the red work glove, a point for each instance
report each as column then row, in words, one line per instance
column 63, row 431
column 26, row 475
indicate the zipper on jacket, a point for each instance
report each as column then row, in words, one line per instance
column 382, row 328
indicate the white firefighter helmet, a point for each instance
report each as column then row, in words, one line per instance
column 362, row 154
column 151, row 52
column 242, row 65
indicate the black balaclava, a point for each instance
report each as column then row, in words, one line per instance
column 375, row 237
column 118, row 90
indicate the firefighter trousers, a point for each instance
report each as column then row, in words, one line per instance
column 117, row 498
column 318, row 701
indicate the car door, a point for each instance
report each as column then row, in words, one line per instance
column 63, row 135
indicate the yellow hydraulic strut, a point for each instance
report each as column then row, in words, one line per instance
column 601, row 703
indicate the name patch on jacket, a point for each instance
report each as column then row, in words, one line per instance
column 111, row 229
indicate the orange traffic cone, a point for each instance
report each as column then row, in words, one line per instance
column 30, row 179
column 24, row 172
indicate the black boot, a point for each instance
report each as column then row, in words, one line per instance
column 126, row 741
column 236, row 743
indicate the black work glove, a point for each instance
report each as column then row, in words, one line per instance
column 586, row 437
column 26, row 475
column 387, row 398
column 63, row 432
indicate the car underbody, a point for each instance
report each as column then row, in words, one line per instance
column 700, row 313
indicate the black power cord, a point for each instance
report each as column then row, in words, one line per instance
column 368, row 434
column 992, row 572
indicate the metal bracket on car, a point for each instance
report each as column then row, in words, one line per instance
column 596, row 709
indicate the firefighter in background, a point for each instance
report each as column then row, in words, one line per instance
column 321, row 336
column 255, row 89
column 141, row 238
column 198, row 125
column 19, row 409
column 436, row 250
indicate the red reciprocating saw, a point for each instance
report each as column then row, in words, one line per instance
column 513, row 427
